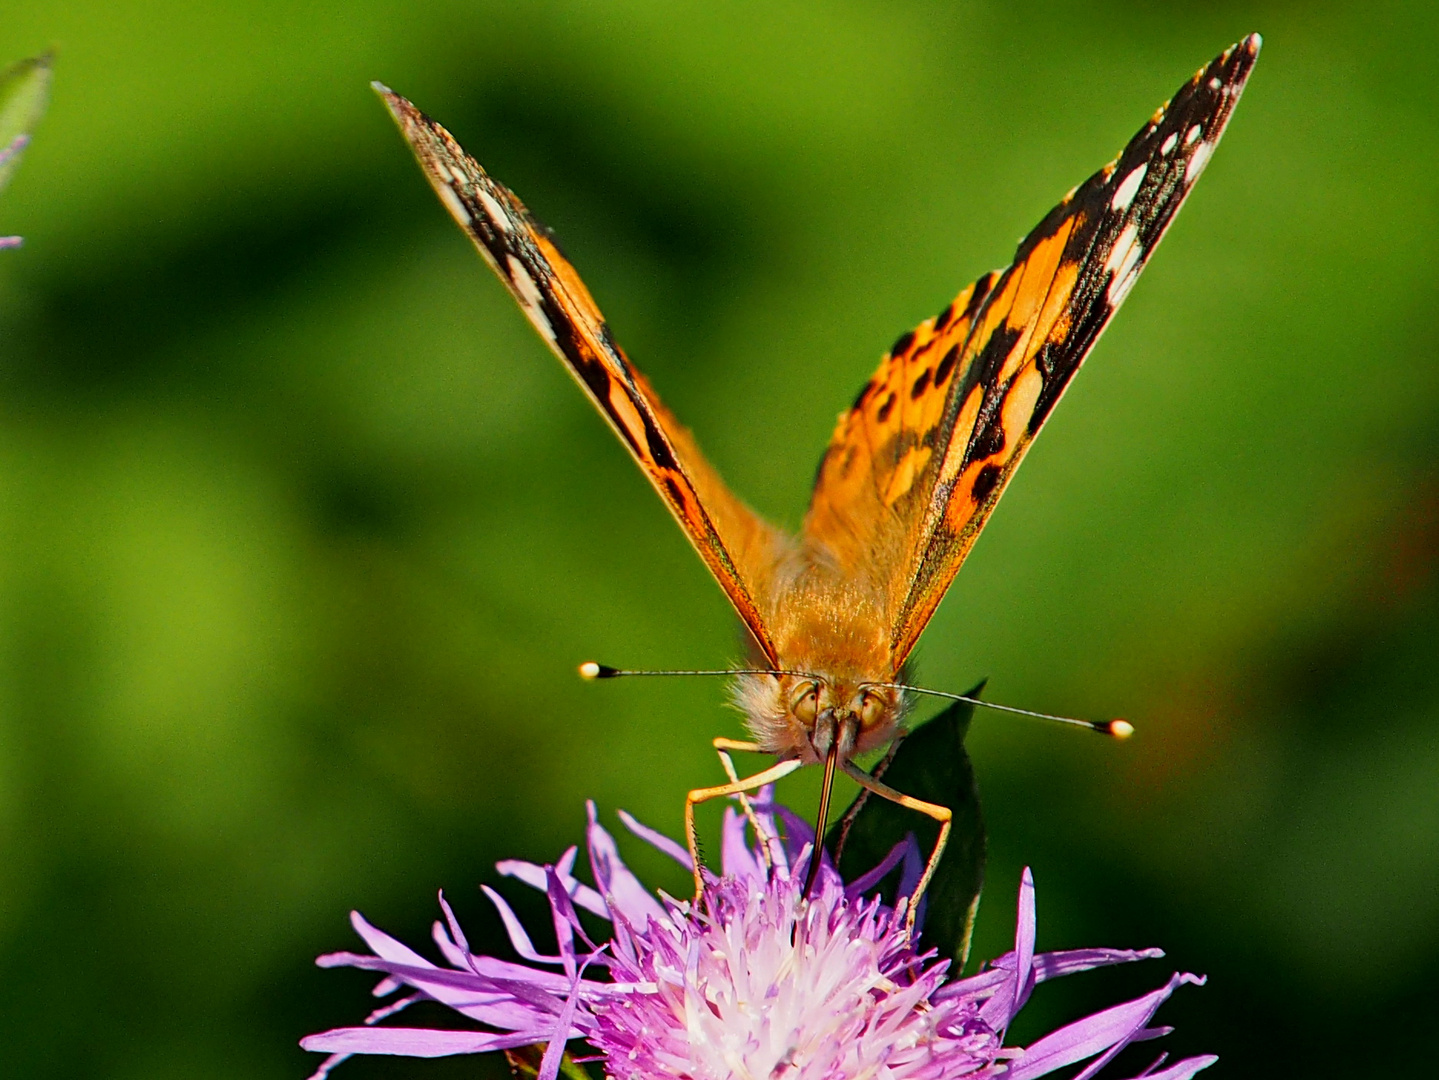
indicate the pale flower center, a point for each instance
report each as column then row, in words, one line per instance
column 756, row 1007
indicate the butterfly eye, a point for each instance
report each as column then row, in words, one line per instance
column 806, row 705
column 871, row 708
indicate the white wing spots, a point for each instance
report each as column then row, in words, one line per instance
column 1123, row 265
column 1192, row 134
column 1169, row 143
column 452, row 202
column 1121, row 246
column 1128, row 188
column 459, row 175
column 530, row 298
column 1214, row 83
column 495, row 211
column 1197, row 160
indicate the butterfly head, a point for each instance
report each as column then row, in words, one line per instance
column 800, row 715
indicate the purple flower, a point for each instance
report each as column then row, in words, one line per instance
column 758, row 983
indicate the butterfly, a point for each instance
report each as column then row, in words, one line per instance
column 915, row 465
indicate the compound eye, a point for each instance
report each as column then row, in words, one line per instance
column 871, row 709
column 806, row 704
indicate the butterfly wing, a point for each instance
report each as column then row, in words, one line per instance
column 737, row 546
column 915, row 467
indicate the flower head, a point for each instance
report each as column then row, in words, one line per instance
column 759, row 982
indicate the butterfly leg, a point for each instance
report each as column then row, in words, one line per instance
column 722, row 747
column 699, row 795
column 941, row 814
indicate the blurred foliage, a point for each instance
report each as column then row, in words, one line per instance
column 23, row 90
column 304, row 532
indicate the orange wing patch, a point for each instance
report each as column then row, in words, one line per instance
column 1069, row 277
column 882, row 456
column 739, row 548
column 909, row 481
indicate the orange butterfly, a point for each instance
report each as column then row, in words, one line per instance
column 915, row 465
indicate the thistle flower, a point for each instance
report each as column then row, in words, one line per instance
column 758, row 982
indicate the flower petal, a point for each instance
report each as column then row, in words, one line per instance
column 618, row 884
column 1094, row 1034
column 519, row 939
column 865, row 882
column 535, row 876
column 555, row 1050
column 410, row 1042
column 1024, row 940
column 675, row 850
column 736, row 858
column 384, row 946
column 1180, row 1070
column 1054, row 964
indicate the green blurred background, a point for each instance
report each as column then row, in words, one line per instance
column 302, row 532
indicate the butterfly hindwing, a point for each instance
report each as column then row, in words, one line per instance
column 735, row 544
column 919, row 492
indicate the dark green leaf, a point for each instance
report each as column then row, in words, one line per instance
column 931, row 765
column 24, row 88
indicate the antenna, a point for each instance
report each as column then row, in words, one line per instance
column 590, row 670
column 1117, row 728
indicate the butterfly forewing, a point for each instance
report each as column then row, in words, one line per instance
column 915, row 468
column 737, row 546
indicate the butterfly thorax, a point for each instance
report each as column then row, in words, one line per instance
column 829, row 638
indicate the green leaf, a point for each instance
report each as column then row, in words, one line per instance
column 929, row 764
column 24, row 90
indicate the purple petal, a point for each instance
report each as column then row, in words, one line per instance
column 975, row 986
column 735, row 855
column 555, row 1050
column 565, row 920
column 1142, row 1035
column 913, row 867
column 11, row 241
column 519, row 940
column 451, row 952
column 862, row 884
column 1052, row 965
column 763, row 806
column 456, row 934
column 536, row 877
column 410, row 1042
column 384, row 946
column 1094, row 1034
column 617, row 882
column 1180, row 1070
column 676, row 851
column 1024, row 939
column 503, row 1003
column 394, row 1007
column 327, row 1065
column 797, row 832
column 909, row 879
